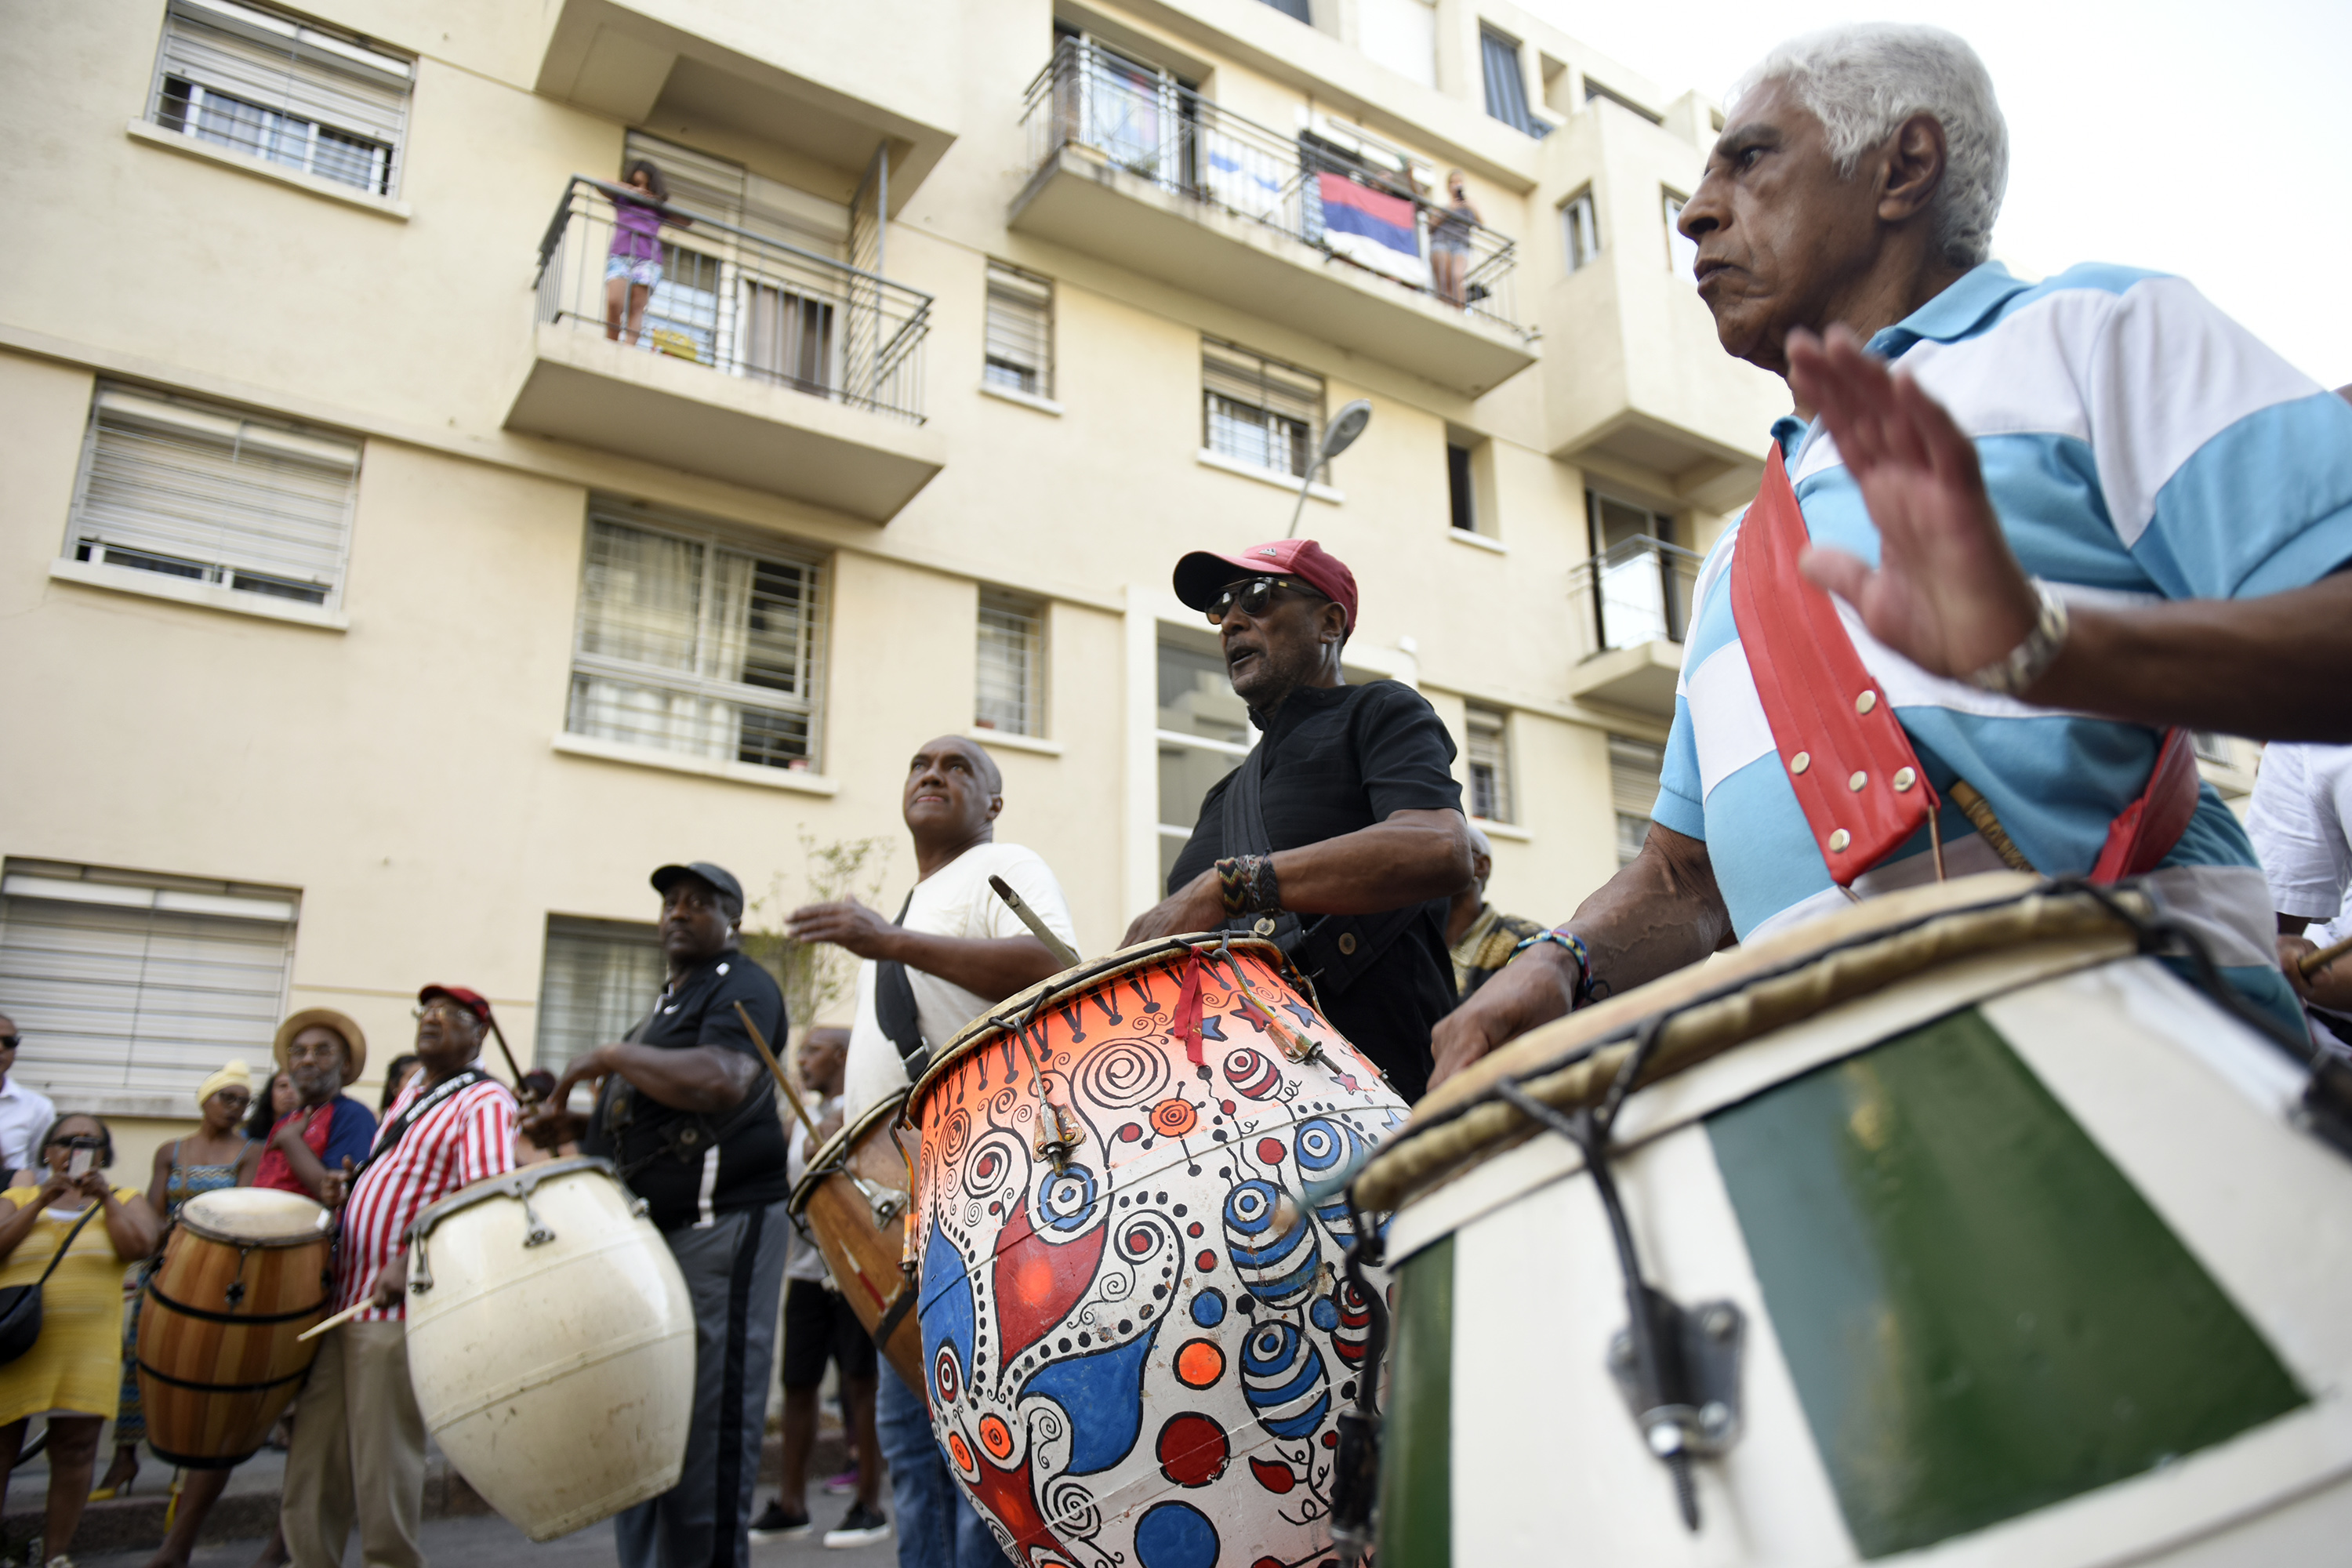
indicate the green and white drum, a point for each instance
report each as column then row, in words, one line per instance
column 1987, row 1239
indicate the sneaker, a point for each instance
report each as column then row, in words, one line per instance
column 861, row 1526
column 777, row 1525
column 843, row 1484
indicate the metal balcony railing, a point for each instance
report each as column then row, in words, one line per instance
column 1637, row 591
column 1155, row 130
column 744, row 304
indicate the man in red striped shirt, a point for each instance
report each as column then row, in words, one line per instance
column 359, row 1448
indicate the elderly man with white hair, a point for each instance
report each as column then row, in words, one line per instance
column 2072, row 514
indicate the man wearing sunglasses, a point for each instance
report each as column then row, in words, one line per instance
column 1342, row 835
column 25, row 1111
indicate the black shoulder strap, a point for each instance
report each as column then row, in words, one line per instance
column 1333, row 950
column 89, row 1214
column 894, row 1005
column 388, row 1137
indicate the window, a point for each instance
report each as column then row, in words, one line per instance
column 1507, row 84
column 1297, row 8
column 1582, row 230
column 122, row 980
column 689, row 643
column 1012, row 665
column 1204, row 731
column 1020, row 330
column 1400, row 35
column 1490, row 753
column 598, row 979
column 2212, row 747
column 1634, row 768
column 1682, row 255
column 1458, row 489
column 1641, row 580
column 291, row 92
column 1259, row 410
column 209, row 494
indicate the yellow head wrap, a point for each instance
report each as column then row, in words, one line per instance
column 237, row 1074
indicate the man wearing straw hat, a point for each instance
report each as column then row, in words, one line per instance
column 358, row 1456
column 322, row 1050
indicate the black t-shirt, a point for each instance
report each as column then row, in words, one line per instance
column 697, row 1008
column 1339, row 759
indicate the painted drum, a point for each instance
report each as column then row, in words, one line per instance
column 1985, row 1236
column 853, row 1199
column 1136, row 1343
column 550, row 1343
column 219, row 1353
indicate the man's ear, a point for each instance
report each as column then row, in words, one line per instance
column 995, row 806
column 1335, row 622
column 1913, row 169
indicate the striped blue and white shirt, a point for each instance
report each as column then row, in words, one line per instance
column 2138, row 445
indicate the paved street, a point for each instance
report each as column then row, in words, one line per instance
column 491, row 1543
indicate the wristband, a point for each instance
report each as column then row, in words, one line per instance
column 2023, row 664
column 1575, row 948
column 1247, row 885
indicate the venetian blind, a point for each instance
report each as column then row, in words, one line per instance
column 1010, row 679
column 1634, row 768
column 213, row 495
column 145, row 983
column 721, row 188
column 598, row 979
column 290, row 68
column 1020, row 335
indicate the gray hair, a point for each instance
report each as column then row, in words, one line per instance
column 1862, row 80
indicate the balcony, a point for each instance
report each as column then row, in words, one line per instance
column 1130, row 167
column 756, row 362
column 1633, row 604
column 813, row 79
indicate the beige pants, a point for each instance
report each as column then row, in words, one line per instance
column 358, row 1453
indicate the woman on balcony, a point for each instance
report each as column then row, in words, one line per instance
column 1449, row 241
column 634, row 265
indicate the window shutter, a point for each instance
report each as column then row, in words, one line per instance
column 237, row 500
column 1019, row 346
column 1010, row 642
column 125, row 985
column 599, row 978
column 1634, row 768
column 279, row 64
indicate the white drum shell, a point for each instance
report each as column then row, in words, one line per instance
column 2196, row 1112
column 559, row 1378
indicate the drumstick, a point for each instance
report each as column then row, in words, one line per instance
column 1037, row 928
column 508, row 1051
column 782, row 1083
column 2312, row 963
column 340, row 1318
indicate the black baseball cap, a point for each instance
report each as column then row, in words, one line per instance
column 721, row 881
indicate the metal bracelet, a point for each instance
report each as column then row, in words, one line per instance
column 2030, row 659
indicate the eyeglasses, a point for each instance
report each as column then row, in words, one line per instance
column 10, row 1042
column 232, row 1097
column 1253, row 594
column 443, row 1006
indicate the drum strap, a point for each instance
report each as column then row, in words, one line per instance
column 1336, row 949
column 1856, row 778
column 389, row 1138
column 894, row 1006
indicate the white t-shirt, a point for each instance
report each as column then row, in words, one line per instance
column 2299, row 821
column 25, row 1115
column 957, row 901
column 804, row 1261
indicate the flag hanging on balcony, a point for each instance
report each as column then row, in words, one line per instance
column 1371, row 228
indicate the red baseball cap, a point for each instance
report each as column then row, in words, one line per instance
column 473, row 1002
column 1202, row 573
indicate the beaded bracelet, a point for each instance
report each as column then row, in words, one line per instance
column 1576, row 950
column 1246, row 884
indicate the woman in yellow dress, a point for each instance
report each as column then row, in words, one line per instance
column 73, row 1373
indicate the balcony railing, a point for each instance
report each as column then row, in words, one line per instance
column 744, row 304
column 1184, row 143
column 1637, row 591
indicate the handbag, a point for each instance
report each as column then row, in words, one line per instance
column 20, row 1305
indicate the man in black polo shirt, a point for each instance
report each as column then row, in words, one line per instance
column 688, row 1112
column 1342, row 835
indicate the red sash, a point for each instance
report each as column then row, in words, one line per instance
column 1857, row 779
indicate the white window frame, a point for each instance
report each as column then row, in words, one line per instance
column 1579, row 222
column 809, row 654
column 1017, row 289
column 1682, row 255
column 1493, row 726
column 322, row 63
column 1012, row 620
column 1270, row 372
column 235, row 559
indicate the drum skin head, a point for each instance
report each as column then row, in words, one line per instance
column 1139, row 1354
column 254, row 1216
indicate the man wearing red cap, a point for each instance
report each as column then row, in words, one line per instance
column 359, row 1449
column 1342, row 836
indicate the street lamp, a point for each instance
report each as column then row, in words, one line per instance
column 1338, row 437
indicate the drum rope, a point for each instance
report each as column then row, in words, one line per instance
column 1356, row 1475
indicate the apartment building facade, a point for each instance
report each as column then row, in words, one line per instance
column 373, row 615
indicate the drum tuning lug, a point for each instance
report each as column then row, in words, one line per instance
column 639, row 1208
column 1696, row 1413
column 538, row 1234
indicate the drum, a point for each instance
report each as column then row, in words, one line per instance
column 550, row 1343
column 1964, row 1226
column 853, row 1199
column 1134, row 1338
column 246, row 1270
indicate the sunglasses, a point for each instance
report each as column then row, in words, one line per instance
column 1253, row 594
column 10, row 1042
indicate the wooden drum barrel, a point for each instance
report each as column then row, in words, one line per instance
column 247, row 1271
column 854, row 1201
column 551, row 1345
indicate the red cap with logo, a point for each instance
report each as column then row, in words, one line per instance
column 473, row 1002
column 1201, row 574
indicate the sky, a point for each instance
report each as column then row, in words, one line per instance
column 2203, row 142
